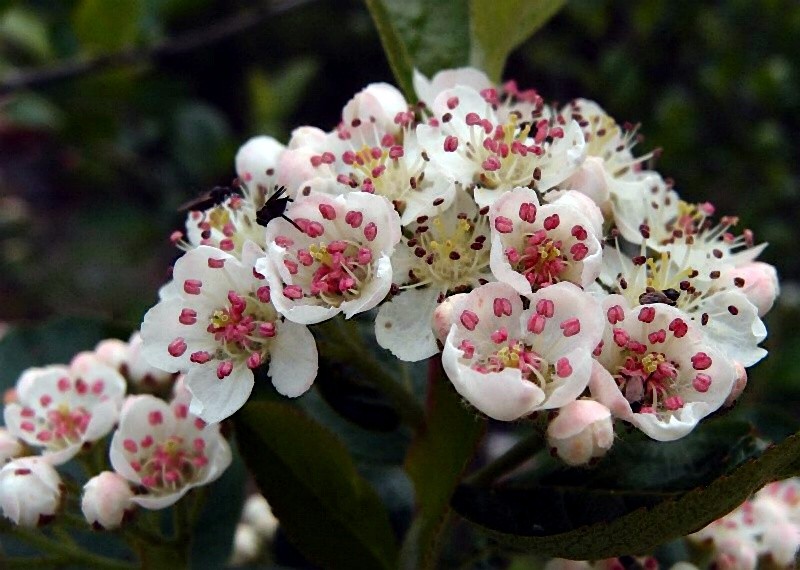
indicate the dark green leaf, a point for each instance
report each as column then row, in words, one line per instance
column 393, row 45
column 428, row 35
column 212, row 536
column 499, row 27
column 107, row 25
column 602, row 523
column 54, row 342
column 327, row 509
column 435, row 462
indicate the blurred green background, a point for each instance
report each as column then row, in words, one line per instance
column 94, row 162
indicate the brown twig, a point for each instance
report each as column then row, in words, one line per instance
column 189, row 41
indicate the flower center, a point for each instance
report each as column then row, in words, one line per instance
column 449, row 255
column 339, row 269
column 170, row 465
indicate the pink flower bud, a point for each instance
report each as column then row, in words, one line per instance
column 140, row 373
column 106, row 498
column 443, row 316
column 582, row 430
column 112, row 352
column 30, row 491
column 590, row 180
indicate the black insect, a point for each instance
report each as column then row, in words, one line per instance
column 208, row 199
column 274, row 207
column 666, row 296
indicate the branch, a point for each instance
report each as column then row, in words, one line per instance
column 189, row 41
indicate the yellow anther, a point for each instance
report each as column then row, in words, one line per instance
column 651, row 361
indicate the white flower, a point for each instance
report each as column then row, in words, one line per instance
column 475, row 146
column 218, row 325
column 428, row 89
column 30, row 491
column 656, row 370
column 371, row 110
column 758, row 281
column 714, row 302
column 582, row 430
column 537, row 245
column 374, row 158
column 10, row 446
column 166, row 449
column 59, row 409
column 446, row 253
column 256, row 164
column 508, row 361
column 106, row 499
column 339, row 263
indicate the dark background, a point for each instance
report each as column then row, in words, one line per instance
column 94, row 164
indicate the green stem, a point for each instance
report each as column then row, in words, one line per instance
column 347, row 341
column 510, row 460
column 69, row 552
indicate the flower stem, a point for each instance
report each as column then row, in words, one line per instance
column 511, row 459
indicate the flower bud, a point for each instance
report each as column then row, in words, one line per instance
column 10, row 446
column 443, row 316
column 258, row 514
column 582, row 430
column 140, row 372
column 736, row 553
column 30, row 491
column 106, row 498
column 246, row 545
column 112, row 352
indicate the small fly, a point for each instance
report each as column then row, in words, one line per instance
column 275, row 207
column 666, row 296
column 208, row 199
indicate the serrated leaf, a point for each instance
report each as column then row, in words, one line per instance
column 106, row 25
column 624, row 522
column 435, row 462
column 496, row 28
column 326, row 508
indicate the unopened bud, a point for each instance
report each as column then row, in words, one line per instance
column 582, row 430
column 106, row 498
column 246, row 545
column 140, row 372
column 759, row 283
column 258, row 514
column 112, row 352
column 30, row 491
column 443, row 316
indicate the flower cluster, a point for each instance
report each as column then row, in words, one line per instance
column 551, row 267
column 158, row 451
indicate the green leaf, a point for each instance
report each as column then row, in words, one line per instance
column 107, row 25
column 26, row 30
column 393, row 45
column 633, row 522
column 212, row 536
column 499, row 27
column 428, row 35
column 54, row 342
column 435, row 462
column 326, row 508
